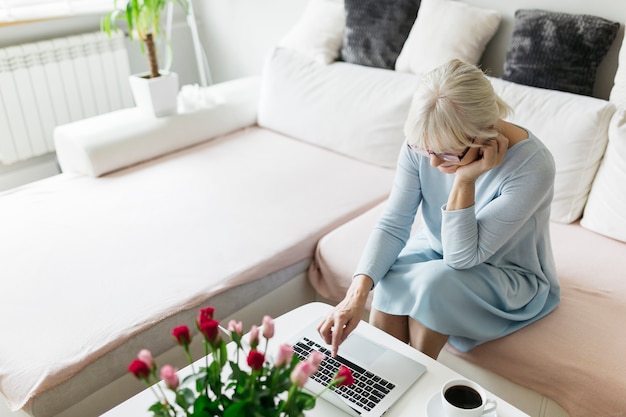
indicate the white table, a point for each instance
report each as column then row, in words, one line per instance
column 413, row 403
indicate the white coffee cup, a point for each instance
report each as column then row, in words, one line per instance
column 465, row 398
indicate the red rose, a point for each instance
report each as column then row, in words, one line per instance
column 210, row 330
column 139, row 368
column 182, row 335
column 344, row 376
column 205, row 314
column 256, row 359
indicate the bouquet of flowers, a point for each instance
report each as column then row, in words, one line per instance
column 267, row 387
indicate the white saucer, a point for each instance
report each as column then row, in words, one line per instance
column 434, row 409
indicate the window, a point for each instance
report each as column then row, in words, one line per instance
column 23, row 10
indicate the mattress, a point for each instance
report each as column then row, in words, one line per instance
column 575, row 355
column 94, row 268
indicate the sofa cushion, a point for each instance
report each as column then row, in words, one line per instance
column 376, row 30
column 559, row 51
column 319, row 31
column 573, row 127
column 355, row 110
column 446, row 29
column 606, row 206
column 618, row 92
column 98, row 145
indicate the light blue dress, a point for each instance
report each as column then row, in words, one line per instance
column 475, row 274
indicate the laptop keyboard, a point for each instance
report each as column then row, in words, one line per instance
column 368, row 389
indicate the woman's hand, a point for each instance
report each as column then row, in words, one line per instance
column 492, row 154
column 344, row 318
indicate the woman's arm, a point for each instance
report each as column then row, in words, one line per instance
column 393, row 227
column 471, row 235
column 344, row 318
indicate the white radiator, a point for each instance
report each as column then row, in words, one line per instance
column 53, row 82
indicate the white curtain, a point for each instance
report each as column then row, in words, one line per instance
column 21, row 10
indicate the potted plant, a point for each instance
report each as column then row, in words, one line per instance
column 156, row 90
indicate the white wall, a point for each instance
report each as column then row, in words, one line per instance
column 237, row 34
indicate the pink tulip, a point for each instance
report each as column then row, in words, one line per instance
column 285, row 354
column 235, row 327
column 145, row 356
column 302, row 372
column 268, row 327
column 168, row 375
column 316, row 359
column 254, row 336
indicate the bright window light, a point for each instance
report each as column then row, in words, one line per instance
column 23, row 10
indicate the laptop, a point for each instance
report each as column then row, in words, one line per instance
column 381, row 375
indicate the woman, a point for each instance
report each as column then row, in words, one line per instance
column 480, row 266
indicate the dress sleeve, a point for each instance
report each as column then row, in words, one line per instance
column 393, row 228
column 471, row 236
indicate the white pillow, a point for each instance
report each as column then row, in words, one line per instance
column 573, row 127
column 98, row 145
column 319, row 31
column 446, row 29
column 605, row 212
column 618, row 92
column 352, row 109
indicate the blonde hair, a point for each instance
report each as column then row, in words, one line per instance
column 453, row 105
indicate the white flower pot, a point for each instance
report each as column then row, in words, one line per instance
column 157, row 96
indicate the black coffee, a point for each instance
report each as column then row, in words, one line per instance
column 462, row 396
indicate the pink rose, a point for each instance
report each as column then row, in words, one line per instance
column 254, row 336
column 182, row 335
column 285, row 354
column 316, row 359
column 205, row 314
column 168, row 375
column 139, row 369
column 268, row 327
column 235, row 327
column 344, row 376
column 255, row 359
column 145, row 356
column 301, row 373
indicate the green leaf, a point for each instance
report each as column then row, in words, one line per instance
column 185, row 398
column 223, row 354
column 159, row 410
column 237, row 409
column 205, row 407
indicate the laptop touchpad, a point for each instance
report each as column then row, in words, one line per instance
column 361, row 349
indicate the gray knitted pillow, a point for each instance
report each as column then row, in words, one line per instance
column 558, row 51
column 376, row 30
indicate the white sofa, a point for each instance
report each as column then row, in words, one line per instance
column 152, row 218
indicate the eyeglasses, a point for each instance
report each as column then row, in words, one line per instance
column 444, row 156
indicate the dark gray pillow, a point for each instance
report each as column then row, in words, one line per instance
column 376, row 30
column 558, row 51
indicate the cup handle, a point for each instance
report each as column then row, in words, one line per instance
column 490, row 405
